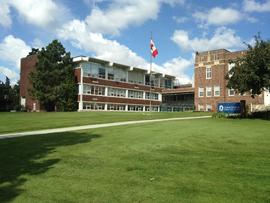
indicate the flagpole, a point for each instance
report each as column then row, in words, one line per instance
column 150, row 107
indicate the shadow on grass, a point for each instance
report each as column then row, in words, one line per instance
column 27, row 156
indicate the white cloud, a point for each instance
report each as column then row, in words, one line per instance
column 180, row 19
column 253, row 6
column 12, row 49
column 12, row 75
column 178, row 67
column 218, row 16
column 76, row 32
column 37, row 43
column 122, row 14
column 5, row 19
column 43, row 13
column 223, row 38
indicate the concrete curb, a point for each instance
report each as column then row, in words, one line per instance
column 85, row 127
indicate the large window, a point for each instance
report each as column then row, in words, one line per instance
column 93, row 90
column 93, row 106
column 208, row 91
column 201, row 91
column 101, row 73
column 153, row 96
column 208, row 72
column 110, row 73
column 216, row 91
column 168, row 83
column 153, row 108
column 136, row 77
column 135, row 108
column 120, row 74
column 115, row 92
column 135, row 94
column 116, row 107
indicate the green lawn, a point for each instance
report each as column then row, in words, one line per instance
column 16, row 122
column 206, row 160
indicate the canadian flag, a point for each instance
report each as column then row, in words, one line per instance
column 154, row 50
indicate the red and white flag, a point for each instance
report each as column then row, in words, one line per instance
column 154, row 50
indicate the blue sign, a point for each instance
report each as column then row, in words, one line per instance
column 229, row 107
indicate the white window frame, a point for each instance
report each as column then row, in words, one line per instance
column 200, row 107
column 230, row 66
column 200, row 90
column 208, row 89
column 229, row 92
column 208, row 72
column 208, row 107
column 217, row 89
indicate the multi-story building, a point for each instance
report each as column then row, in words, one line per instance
column 210, row 70
column 103, row 85
column 180, row 98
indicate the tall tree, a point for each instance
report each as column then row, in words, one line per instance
column 9, row 96
column 251, row 72
column 53, row 80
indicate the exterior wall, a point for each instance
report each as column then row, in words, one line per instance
column 88, row 99
column 218, row 60
column 28, row 64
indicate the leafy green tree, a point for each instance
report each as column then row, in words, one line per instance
column 53, row 80
column 9, row 96
column 252, row 71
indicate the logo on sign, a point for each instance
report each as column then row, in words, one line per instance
column 220, row 108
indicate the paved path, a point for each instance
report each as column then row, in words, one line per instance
column 85, row 127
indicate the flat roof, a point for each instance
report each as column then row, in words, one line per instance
column 78, row 59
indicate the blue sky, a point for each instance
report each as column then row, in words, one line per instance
column 119, row 30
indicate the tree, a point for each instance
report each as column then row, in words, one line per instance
column 9, row 96
column 53, row 80
column 251, row 72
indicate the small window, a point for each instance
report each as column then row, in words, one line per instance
column 208, row 107
column 200, row 107
column 216, row 91
column 208, row 72
column 231, row 92
column 230, row 66
column 208, row 91
column 201, row 92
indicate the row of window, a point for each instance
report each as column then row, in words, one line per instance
column 213, row 57
column 119, row 74
column 117, row 107
column 209, row 70
column 231, row 92
column 208, row 107
column 117, row 92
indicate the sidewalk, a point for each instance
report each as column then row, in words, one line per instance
column 85, row 127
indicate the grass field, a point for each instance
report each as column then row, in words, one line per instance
column 16, row 122
column 207, row 160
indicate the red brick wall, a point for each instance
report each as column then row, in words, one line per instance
column 28, row 64
column 219, row 70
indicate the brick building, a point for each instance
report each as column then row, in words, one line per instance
column 104, row 85
column 28, row 64
column 210, row 84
